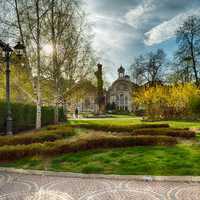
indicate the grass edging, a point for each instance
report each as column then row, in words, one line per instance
column 102, row 176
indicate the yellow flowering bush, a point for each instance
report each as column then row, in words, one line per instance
column 167, row 101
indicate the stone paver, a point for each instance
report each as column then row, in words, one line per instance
column 15, row 186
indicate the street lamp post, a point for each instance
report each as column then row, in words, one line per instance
column 7, row 50
column 9, row 119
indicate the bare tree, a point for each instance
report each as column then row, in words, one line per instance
column 62, row 24
column 188, row 39
column 71, row 53
column 148, row 68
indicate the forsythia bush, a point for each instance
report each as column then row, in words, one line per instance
column 168, row 101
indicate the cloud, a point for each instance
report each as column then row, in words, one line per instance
column 140, row 14
column 112, row 38
column 123, row 29
column 167, row 29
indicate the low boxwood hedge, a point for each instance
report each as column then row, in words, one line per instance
column 182, row 133
column 90, row 142
column 116, row 128
column 142, row 129
column 37, row 136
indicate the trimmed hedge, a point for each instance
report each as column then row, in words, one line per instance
column 116, row 128
column 92, row 142
column 37, row 136
column 142, row 129
column 182, row 133
column 24, row 116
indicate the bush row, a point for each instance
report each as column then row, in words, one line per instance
column 114, row 128
column 93, row 142
column 182, row 133
column 167, row 132
column 143, row 129
column 37, row 136
column 24, row 116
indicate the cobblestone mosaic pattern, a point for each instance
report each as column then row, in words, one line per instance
column 32, row 187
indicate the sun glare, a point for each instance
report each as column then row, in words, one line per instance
column 48, row 49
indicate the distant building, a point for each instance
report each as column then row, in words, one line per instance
column 121, row 92
column 84, row 95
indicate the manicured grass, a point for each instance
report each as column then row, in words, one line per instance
column 128, row 120
column 178, row 160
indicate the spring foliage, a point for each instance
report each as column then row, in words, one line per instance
column 175, row 101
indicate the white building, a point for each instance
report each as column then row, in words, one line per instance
column 121, row 92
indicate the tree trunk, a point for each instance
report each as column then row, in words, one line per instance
column 55, row 64
column 194, row 63
column 38, row 112
column 56, row 109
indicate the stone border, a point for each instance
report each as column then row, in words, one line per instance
column 99, row 176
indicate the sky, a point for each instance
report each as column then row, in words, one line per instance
column 124, row 29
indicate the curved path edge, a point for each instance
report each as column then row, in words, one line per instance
column 101, row 176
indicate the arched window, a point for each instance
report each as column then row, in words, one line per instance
column 121, row 100
column 126, row 100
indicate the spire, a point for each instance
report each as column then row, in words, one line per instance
column 121, row 72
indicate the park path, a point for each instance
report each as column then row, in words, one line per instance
column 15, row 186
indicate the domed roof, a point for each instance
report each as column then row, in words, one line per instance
column 121, row 69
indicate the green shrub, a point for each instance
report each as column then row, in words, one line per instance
column 86, row 143
column 194, row 105
column 24, row 116
column 37, row 136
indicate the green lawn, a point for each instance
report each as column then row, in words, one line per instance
column 128, row 120
column 178, row 160
column 182, row 159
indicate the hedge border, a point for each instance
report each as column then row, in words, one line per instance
column 8, row 153
column 24, row 116
column 37, row 136
column 143, row 129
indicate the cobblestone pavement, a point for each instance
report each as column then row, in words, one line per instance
column 36, row 187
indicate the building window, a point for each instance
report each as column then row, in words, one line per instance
column 112, row 99
column 121, row 100
column 126, row 100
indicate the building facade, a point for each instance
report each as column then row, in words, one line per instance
column 82, row 96
column 121, row 92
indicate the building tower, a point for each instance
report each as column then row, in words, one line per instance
column 121, row 72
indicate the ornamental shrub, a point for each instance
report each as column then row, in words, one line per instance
column 166, row 102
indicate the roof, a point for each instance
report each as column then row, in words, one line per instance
column 128, row 81
column 83, row 85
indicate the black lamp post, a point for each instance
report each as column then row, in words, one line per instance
column 7, row 52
